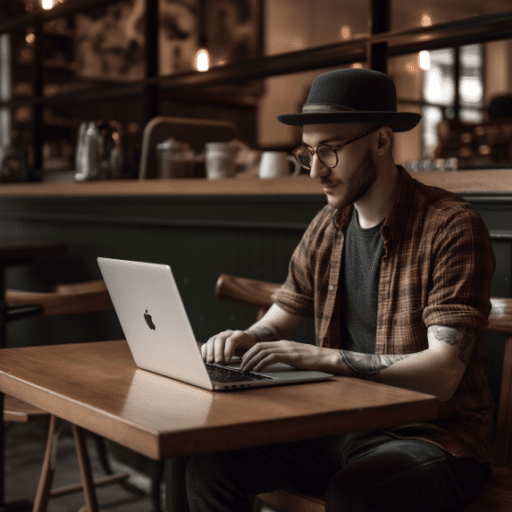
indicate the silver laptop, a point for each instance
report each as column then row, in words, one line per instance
column 160, row 337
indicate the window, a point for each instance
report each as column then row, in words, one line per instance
column 471, row 88
column 439, row 89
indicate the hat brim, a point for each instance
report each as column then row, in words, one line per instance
column 397, row 121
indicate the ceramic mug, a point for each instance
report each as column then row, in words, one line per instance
column 275, row 164
column 175, row 159
column 220, row 159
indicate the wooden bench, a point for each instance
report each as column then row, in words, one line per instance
column 497, row 493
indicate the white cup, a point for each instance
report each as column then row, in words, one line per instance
column 220, row 159
column 275, row 164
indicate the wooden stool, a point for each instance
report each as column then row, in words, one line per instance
column 497, row 493
column 62, row 300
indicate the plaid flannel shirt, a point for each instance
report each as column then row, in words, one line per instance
column 436, row 270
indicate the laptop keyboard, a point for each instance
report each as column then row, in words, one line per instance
column 224, row 374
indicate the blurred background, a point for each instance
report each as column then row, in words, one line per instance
column 63, row 62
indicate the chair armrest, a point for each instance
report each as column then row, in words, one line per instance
column 88, row 286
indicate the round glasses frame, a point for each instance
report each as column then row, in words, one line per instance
column 325, row 149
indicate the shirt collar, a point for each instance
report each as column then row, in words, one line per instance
column 396, row 219
column 398, row 214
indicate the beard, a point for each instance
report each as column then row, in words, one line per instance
column 356, row 185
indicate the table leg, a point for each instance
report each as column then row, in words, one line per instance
column 19, row 506
column 175, row 487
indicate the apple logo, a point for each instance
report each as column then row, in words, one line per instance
column 149, row 320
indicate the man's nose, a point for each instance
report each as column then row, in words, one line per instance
column 318, row 169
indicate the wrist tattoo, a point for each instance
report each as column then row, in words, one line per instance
column 262, row 333
column 464, row 337
column 368, row 366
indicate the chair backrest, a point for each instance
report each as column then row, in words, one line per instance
column 258, row 294
column 246, row 291
column 500, row 321
column 196, row 132
column 65, row 299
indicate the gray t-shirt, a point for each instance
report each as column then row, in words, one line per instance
column 359, row 286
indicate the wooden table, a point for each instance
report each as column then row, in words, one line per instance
column 15, row 253
column 98, row 387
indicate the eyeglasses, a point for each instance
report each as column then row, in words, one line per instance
column 327, row 154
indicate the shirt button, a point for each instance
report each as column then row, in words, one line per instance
column 331, row 287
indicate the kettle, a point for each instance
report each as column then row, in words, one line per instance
column 99, row 153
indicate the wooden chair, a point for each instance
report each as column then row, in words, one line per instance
column 497, row 493
column 63, row 300
column 196, row 132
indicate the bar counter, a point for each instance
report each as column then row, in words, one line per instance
column 166, row 187
column 461, row 182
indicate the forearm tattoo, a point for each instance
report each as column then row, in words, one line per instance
column 368, row 366
column 262, row 333
column 464, row 337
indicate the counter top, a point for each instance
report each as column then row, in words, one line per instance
column 235, row 186
column 488, row 181
column 461, row 182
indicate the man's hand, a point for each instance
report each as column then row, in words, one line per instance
column 299, row 355
column 275, row 324
column 221, row 347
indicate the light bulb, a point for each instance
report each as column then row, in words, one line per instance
column 202, row 60
column 424, row 60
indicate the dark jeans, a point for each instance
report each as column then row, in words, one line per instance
column 359, row 472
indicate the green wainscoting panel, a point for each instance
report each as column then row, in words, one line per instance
column 199, row 236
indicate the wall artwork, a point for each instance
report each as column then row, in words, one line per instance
column 110, row 41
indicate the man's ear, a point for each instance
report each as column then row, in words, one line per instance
column 384, row 140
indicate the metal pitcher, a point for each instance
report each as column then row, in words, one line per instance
column 99, row 153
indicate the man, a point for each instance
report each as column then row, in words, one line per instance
column 397, row 278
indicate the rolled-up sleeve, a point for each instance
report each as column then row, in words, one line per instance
column 460, row 293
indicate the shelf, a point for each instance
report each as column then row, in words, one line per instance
column 23, row 115
column 60, row 65
column 53, row 64
column 63, row 33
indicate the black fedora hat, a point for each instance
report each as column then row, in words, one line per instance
column 353, row 96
